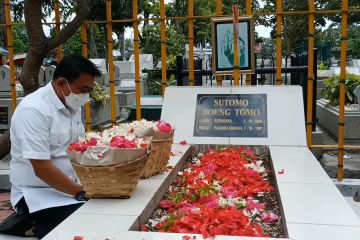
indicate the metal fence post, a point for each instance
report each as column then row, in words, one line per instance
column 84, row 54
column 191, row 41
column 179, row 68
column 137, row 53
column 279, row 18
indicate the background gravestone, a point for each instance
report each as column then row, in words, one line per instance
column 5, row 78
column 146, row 61
column 49, row 73
column 42, row 78
column 103, row 79
column 126, row 69
column 100, row 63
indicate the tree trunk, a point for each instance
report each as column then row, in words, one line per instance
column 39, row 46
column 92, row 42
column 30, row 72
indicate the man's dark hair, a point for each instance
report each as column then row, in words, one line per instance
column 73, row 65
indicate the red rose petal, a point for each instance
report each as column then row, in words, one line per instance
column 184, row 142
column 281, row 172
column 143, row 228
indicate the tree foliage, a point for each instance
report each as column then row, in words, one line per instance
column 295, row 27
column 353, row 17
column 332, row 36
column 202, row 27
column 20, row 39
column 150, row 43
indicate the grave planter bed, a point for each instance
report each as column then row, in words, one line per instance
column 222, row 190
column 329, row 117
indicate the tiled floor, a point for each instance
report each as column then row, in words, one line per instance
column 5, row 206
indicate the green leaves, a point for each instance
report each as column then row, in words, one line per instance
column 332, row 90
column 150, row 43
column 98, row 94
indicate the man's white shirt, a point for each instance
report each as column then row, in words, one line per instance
column 41, row 129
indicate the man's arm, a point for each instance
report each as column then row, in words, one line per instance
column 54, row 177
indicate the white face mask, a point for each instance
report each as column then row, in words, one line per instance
column 75, row 101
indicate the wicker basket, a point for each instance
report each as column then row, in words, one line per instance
column 159, row 157
column 116, row 181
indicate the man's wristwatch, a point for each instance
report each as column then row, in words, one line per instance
column 80, row 196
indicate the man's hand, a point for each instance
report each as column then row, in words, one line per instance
column 54, row 177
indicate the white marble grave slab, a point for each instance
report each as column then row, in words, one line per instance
column 313, row 207
column 285, row 114
column 299, row 165
column 99, row 218
column 179, row 109
column 312, row 203
column 133, row 206
column 322, row 232
column 91, row 226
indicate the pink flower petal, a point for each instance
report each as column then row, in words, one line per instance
column 269, row 217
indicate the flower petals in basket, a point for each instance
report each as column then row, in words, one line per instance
column 109, row 166
column 120, row 149
column 162, row 133
column 159, row 130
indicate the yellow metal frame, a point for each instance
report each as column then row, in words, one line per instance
column 84, row 54
column 340, row 172
column 110, row 62
column 318, row 11
column 344, row 11
column 59, row 53
column 11, row 54
column 236, row 54
column 137, row 63
column 163, row 47
column 191, row 41
column 309, row 123
column 248, row 12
